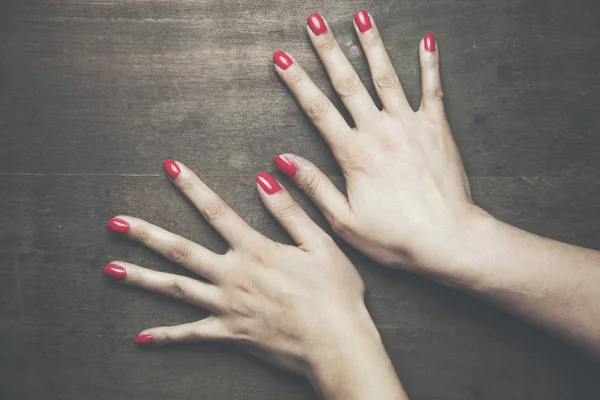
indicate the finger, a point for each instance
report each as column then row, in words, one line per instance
column 210, row 328
column 432, row 100
column 316, row 186
column 226, row 221
column 201, row 294
column 322, row 113
column 174, row 247
column 384, row 76
column 288, row 212
column 344, row 78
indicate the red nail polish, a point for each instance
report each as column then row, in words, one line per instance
column 282, row 60
column 143, row 339
column 115, row 271
column 316, row 23
column 118, row 225
column 172, row 168
column 285, row 165
column 429, row 42
column 363, row 21
column 268, row 183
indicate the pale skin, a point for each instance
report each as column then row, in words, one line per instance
column 408, row 205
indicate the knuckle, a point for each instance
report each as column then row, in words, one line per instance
column 288, row 209
column 167, row 337
column 134, row 275
column 296, row 75
column 372, row 41
column 243, row 286
column 180, row 252
column 185, row 184
column 140, row 234
column 327, row 45
column 437, row 93
column 387, row 81
column 309, row 183
column 317, row 109
column 214, row 210
column 176, row 290
column 240, row 308
column 347, row 86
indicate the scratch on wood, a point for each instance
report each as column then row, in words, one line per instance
column 177, row 87
column 546, row 182
column 18, row 284
column 528, row 180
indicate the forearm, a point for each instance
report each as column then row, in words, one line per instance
column 552, row 284
column 356, row 367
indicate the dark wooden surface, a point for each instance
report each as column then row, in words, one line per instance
column 95, row 94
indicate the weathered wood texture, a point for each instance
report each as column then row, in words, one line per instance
column 95, row 94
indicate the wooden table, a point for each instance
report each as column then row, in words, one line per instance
column 95, row 94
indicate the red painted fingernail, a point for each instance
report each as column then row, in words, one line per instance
column 172, row 168
column 285, row 165
column 316, row 23
column 363, row 21
column 268, row 183
column 118, row 225
column 429, row 42
column 282, row 60
column 115, row 271
column 143, row 339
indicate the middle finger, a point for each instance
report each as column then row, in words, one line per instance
column 344, row 78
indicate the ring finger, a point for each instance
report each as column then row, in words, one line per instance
column 205, row 295
column 174, row 247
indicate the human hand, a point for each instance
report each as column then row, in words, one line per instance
column 408, row 198
column 290, row 305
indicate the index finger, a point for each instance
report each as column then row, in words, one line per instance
column 214, row 210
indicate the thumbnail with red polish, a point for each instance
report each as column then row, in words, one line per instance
column 429, row 42
column 115, row 271
column 143, row 339
column 363, row 21
column 172, row 168
column 282, row 60
column 268, row 183
column 285, row 165
column 118, row 225
column 316, row 24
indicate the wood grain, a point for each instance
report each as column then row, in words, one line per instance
column 95, row 94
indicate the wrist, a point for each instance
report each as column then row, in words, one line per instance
column 343, row 332
column 351, row 363
column 459, row 257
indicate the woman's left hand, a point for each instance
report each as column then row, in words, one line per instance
column 292, row 304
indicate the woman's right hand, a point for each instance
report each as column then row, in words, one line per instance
column 299, row 307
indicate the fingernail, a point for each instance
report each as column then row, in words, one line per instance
column 363, row 21
column 282, row 60
column 429, row 42
column 143, row 339
column 118, row 225
column 172, row 168
column 316, row 23
column 268, row 183
column 115, row 271
column 285, row 165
